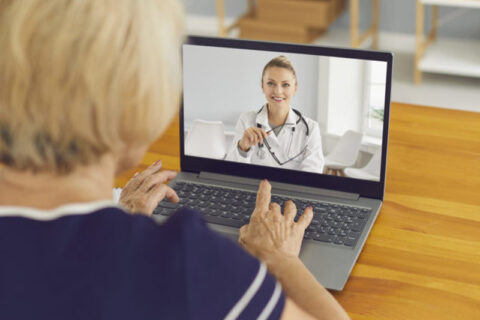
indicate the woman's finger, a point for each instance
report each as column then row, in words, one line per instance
column 258, row 133
column 305, row 218
column 290, row 210
column 131, row 184
column 162, row 191
column 274, row 207
column 135, row 182
column 263, row 197
column 254, row 140
column 153, row 168
column 157, row 178
column 265, row 134
column 255, row 134
column 250, row 137
column 275, row 211
column 167, row 175
column 138, row 178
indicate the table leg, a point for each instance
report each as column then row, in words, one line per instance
column 433, row 32
column 354, row 23
column 418, row 42
column 221, row 18
column 251, row 7
column 375, row 23
column 355, row 38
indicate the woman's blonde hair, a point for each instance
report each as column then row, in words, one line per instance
column 279, row 62
column 82, row 78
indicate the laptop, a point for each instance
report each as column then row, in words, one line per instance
column 338, row 125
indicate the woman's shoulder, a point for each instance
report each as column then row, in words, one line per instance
column 312, row 124
column 310, row 121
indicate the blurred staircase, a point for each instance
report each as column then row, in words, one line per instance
column 300, row 21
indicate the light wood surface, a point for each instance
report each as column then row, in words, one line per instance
column 422, row 258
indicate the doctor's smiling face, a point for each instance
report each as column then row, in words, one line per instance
column 279, row 86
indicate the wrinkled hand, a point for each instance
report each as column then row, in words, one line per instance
column 271, row 235
column 145, row 190
column 252, row 136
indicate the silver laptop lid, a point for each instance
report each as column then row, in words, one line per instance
column 325, row 112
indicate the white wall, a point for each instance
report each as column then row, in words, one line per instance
column 221, row 83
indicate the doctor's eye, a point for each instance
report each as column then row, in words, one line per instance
column 270, row 83
column 286, row 85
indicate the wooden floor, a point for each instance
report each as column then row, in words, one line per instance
column 422, row 258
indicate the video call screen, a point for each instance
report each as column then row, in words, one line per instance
column 300, row 112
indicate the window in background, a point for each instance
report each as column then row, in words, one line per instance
column 376, row 75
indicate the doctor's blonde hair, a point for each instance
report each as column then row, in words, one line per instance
column 79, row 79
column 279, row 62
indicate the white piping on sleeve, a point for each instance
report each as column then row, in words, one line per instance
column 272, row 303
column 249, row 294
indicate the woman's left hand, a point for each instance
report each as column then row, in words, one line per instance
column 145, row 190
column 272, row 236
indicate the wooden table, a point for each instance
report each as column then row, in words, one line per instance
column 422, row 258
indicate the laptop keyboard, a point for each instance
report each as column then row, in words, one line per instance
column 337, row 224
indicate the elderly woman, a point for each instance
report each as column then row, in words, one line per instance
column 85, row 87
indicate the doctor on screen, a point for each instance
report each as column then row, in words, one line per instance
column 278, row 135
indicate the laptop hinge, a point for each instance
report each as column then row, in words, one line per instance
column 279, row 187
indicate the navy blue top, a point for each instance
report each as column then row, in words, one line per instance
column 111, row 265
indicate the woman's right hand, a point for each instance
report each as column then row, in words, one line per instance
column 146, row 189
column 272, row 236
column 251, row 137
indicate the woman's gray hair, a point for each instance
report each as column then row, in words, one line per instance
column 82, row 78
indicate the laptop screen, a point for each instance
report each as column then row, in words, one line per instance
column 296, row 111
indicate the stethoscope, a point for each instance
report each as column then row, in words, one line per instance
column 261, row 153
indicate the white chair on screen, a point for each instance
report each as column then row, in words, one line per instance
column 206, row 139
column 370, row 172
column 344, row 154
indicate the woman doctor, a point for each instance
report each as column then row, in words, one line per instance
column 278, row 135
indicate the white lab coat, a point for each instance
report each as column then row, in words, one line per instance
column 291, row 140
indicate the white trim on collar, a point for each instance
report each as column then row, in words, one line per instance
column 65, row 210
column 262, row 117
column 292, row 118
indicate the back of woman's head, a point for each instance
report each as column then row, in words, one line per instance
column 79, row 79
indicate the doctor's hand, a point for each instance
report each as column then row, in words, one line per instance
column 146, row 189
column 251, row 137
column 272, row 236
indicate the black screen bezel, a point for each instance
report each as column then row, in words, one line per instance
column 365, row 188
